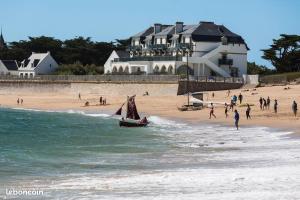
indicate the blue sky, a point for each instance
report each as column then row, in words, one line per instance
column 257, row 21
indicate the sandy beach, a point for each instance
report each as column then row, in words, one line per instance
column 166, row 106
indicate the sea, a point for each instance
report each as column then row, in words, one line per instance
column 79, row 155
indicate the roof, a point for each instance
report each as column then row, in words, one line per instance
column 123, row 54
column 204, row 31
column 11, row 65
column 33, row 61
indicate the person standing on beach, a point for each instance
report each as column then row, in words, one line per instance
column 234, row 99
column 79, row 96
column 226, row 110
column 100, row 100
column 21, row 101
column 236, row 119
column 240, row 98
column 295, row 108
column 213, row 95
column 211, row 113
column 261, row 103
column 275, row 106
column 18, row 101
column 265, row 104
column 268, row 103
column 248, row 111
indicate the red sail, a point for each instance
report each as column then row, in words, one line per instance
column 119, row 112
column 131, row 109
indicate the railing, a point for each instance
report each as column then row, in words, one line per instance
column 149, row 58
column 225, row 62
column 213, row 79
column 130, row 78
column 123, row 78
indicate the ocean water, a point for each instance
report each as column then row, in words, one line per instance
column 77, row 155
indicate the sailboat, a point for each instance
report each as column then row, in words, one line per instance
column 132, row 116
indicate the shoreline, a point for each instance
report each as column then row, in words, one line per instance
column 87, row 112
column 165, row 105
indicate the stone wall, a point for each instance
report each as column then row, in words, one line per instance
column 195, row 86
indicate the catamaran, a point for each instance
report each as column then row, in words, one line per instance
column 132, row 116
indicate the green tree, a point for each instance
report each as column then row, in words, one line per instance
column 284, row 53
column 253, row 68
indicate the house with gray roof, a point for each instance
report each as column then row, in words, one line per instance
column 37, row 64
column 8, row 67
column 204, row 49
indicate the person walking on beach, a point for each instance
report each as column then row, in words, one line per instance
column 100, row 100
column 226, row 110
column 295, row 108
column 228, row 93
column 231, row 106
column 213, row 95
column 18, row 101
column 248, row 111
column 275, row 106
column 261, row 103
column 234, row 98
column 268, row 103
column 240, row 98
column 211, row 113
column 79, row 96
column 21, row 101
column 236, row 119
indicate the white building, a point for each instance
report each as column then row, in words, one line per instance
column 208, row 49
column 9, row 67
column 37, row 64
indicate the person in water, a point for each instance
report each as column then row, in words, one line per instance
column 295, row 108
column 248, row 111
column 211, row 113
column 236, row 119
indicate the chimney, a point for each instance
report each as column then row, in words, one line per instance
column 157, row 28
column 178, row 27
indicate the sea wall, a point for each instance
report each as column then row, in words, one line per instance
column 195, row 86
column 111, row 89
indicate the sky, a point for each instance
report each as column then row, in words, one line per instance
column 257, row 21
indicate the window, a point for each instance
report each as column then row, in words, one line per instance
column 156, row 69
column 163, row 69
column 170, row 69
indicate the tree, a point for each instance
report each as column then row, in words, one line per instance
column 284, row 53
column 253, row 68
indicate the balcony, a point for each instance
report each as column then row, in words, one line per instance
column 225, row 62
column 183, row 46
column 149, row 58
column 158, row 47
column 134, row 48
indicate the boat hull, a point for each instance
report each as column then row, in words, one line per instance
column 132, row 124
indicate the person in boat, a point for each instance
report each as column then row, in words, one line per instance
column 144, row 121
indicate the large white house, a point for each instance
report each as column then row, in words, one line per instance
column 9, row 67
column 208, row 49
column 37, row 64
